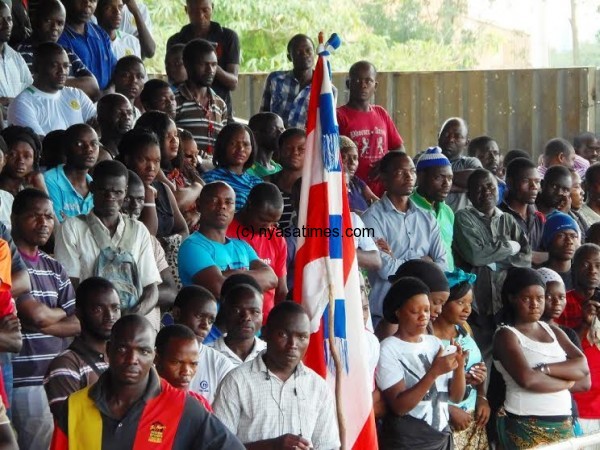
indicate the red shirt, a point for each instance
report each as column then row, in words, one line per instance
column 588, row 402
column 572, row 315
column 373, row 132
column 272, row 250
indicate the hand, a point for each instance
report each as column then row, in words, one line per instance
column 383, row 246
column 515, row 247
column 443, row 364
column 459, row 419
column 131, row 4
column 10, row 323
column 151, row 193
column 590, row 310
column 292, row 442
column 482, row 411
column 476, row 374
column 461, row 356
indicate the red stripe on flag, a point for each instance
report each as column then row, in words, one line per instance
column 367, row 439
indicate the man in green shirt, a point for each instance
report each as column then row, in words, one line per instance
column 267, row 127
column 434, row 180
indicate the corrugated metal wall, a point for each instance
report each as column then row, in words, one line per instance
column 519, row 108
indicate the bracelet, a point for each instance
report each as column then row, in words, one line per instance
column 482, row 396
column 149, row 205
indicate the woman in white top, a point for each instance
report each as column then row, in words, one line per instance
column 539, row 365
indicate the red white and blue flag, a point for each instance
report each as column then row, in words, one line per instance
column 326, row 276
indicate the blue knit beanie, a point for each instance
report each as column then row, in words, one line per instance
column 433, row 157
column 555, row 223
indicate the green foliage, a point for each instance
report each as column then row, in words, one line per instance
column 393, row 34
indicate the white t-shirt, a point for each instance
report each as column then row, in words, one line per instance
column 400, row 360
column 45, row 112
column 128, row 24
column 126, row 44
column 374, row 348
column 212, row 368
column 6, row 202
column 363, row 240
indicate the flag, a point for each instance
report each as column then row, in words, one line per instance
column 326, row 272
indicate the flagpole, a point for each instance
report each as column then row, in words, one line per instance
column 332, row 344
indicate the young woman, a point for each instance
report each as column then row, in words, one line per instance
column 539, row 364
column 235, row 151
column 360, row 196
column 469, row 417
column 139, row 150
column 22, row 159
column 416, row 379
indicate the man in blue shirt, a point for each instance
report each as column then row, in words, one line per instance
column 69, row 184
column 88, row 40
column 409, row 231
column 207, row 257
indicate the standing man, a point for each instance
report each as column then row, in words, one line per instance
column 300, row 412
column 49, row 104
column 434, row 181
column 69, row 184
column 224, row 41
column 88, row 40
column 130, row 406
column 48, row 318
column 453, row 140
column 97, row 307
column 110, row 15
column 369, row 126
column 410, row 232
column 560, row 152
column 199, row 109
column 14, row 76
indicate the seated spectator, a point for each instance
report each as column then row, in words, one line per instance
column 523, row 185
column 136, row 20
column 434, row 181
column 453, row 140
column 235, row 153
column 208, row 257
column 158, row 96
column 286, row 92
column 174, row 68
column 561, row 238
column 360, row 196
column 586, row 145
column 251, row 224
column 80, row 241
column 167, row 289
column 468, row 418
column 369, row 126
column 48, row 104
column 97, row 307
column 21, row 24
column 242, row 407
column 291, row 148
column 560, row 152
column 115, row 118
column 128, row 79
column 155, row 399
column 48, row 24
column 411, row 232
column 538, row 363
column 184, row 182
column 88, row 41
column 556, row 189
column 585, row 270
column 196, row 308
column 69, row 184
column 266, row 128
column 22, row 160
column 177, row 359
column 191, row 154
column 486, row 150
column 15, row 75
column 53, row 152
column 577, row 197
column 414, row 377
column 487, row 242
column 242, row 312
column 48, row 318
column 140, row 151
column 109, row 14
column 590, row 211
column 199, row 109
column 225, row 41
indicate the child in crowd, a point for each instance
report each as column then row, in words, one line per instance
column 360, row 196
column 415, row 378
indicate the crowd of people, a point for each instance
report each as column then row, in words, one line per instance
column 140, row 306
